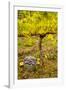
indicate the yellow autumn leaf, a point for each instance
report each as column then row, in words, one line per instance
column 38, row 59
column 50, row 37
column 45, row 56
column 21, row 64
column 38, row 62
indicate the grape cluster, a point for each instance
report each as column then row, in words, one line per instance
column 30, row 60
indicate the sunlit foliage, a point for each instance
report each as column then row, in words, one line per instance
column 37, row 36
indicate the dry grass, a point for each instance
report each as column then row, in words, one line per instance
column 48, row 70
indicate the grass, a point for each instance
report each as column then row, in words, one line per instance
column 48, row 70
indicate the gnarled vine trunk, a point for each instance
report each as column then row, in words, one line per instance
column 40, row 49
